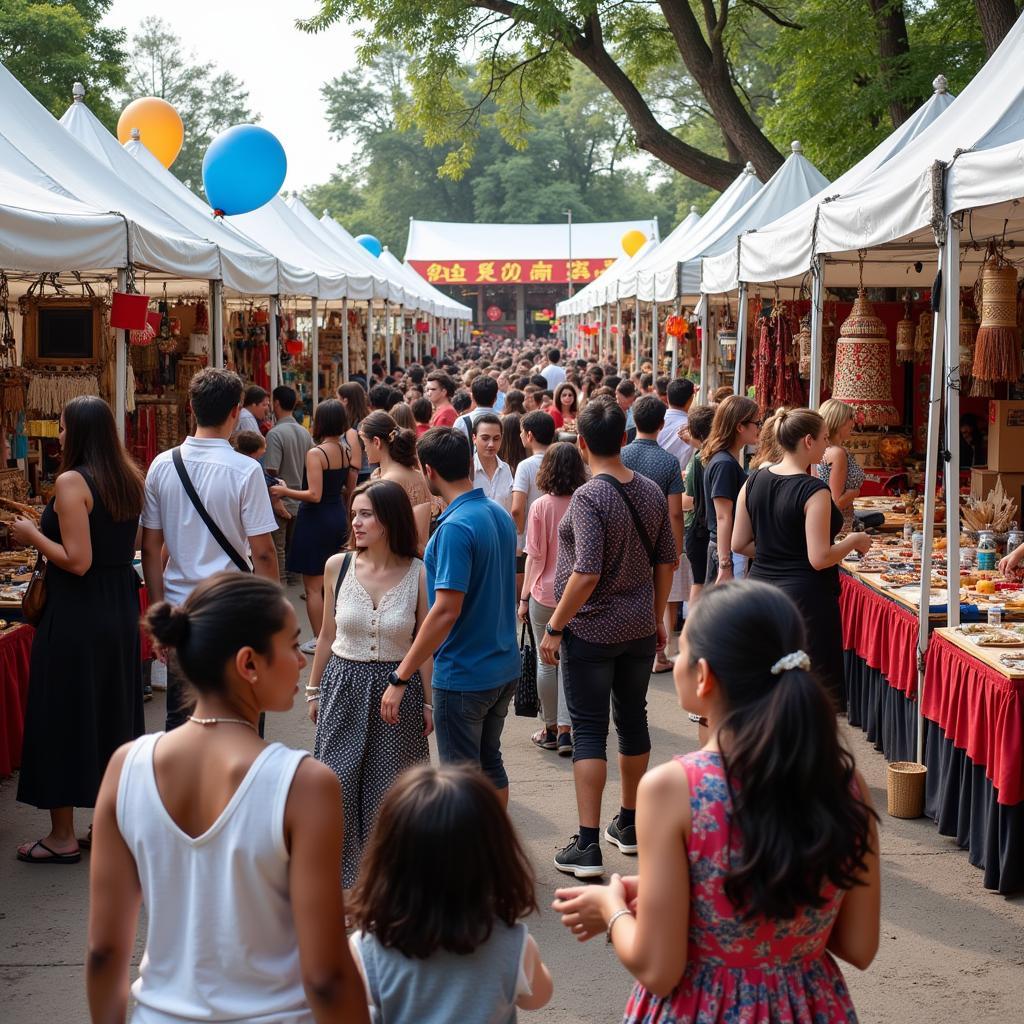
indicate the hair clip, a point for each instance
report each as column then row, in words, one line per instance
column 798, row 659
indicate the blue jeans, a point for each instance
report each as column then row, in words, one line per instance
column 468, row 726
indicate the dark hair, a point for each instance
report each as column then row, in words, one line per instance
column 285, row 397
column 399, row 441
column 415, row 373
column 213, row 393
column 562, row 470
column 444, row 381
column 521, row 383
column 566, row 386
column 422, row 410
column 649, row 413
column 447, row 452
column 512, row 449
column 626, row 388
column 647, row 380
column 443, row 864
column 554, row 355
column 249, row 442
column 793, row 425
column 254, row 394
column 380, row 397
column 514, row 402
column 355, row 395
column 541, row 425
column 329, row 420
column 602, row 424
column 226, row 612
column 679, row 391
column 487, row 417
column 699, row 422
column 91, row 444
column 661, row 386
column 540, row 381
column 392, row 507
column 790, row 779
column 461, row 400
column 484, row 390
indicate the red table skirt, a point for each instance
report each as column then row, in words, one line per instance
column 147, row 644
column 15, row 651
column 881, row 632
column 981, row 711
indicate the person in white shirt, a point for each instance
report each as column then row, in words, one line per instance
column 553, row 373
column 484, row 390
column 491, row 474
column 255, row 407
column 234, row 493
column 538, row 435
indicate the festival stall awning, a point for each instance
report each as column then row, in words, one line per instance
column 429, row 299
column 460, row 254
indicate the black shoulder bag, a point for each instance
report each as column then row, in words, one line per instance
column 241, row 563
column 644, row 538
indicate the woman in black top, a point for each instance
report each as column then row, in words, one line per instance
column 787, row 521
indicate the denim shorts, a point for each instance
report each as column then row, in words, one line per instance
column 468, row 724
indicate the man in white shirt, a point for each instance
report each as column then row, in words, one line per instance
column 553, row 373
column 680, row 398
column 538, row 431
column 255, row 407
column 232, row 489
column 490, row 474
column 484, row 390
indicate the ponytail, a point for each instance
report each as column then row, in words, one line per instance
column 400, row 442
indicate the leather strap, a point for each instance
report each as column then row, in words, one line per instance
column 345, row 562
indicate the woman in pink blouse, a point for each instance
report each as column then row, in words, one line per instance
column 560, row 474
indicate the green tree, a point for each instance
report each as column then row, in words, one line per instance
column 50, row 46
column 208, row 100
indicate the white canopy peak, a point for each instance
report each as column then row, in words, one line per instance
column 78, row 92
column 795, row 146
column 749, row 169
column 135, row 134
column 940, row 85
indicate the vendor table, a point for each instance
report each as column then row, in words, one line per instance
column 15, row 650
column 974, row 749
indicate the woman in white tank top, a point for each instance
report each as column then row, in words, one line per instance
column 232, row 844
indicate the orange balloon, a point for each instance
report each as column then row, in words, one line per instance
column 159, row 125
column 633, row 241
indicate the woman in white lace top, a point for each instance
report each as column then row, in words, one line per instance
column 368, row 729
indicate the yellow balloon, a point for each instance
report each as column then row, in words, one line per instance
column 633, row 241
column 160, row 127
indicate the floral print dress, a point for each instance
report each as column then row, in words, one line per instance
column 755, row 971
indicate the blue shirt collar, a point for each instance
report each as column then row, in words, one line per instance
column 472, row 495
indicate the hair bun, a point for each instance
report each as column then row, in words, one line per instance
column 168, row 624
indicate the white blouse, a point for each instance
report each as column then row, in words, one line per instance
column 384, row 633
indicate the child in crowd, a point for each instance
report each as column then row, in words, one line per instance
column 437, row 906
column 422, row 411
column 249, row 442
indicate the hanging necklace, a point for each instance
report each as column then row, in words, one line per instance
column 225, row 721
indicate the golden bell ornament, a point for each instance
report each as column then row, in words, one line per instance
column 803, row 341
column 997, row 352
column 862, row 371
column 923, row 337
column 906, row 333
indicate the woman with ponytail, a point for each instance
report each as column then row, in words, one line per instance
column 231, row 844
column 786, row 519
column 758, row 853
column 393, row 451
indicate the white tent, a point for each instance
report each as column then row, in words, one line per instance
column 656, row 277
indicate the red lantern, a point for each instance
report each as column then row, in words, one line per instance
column 422, row 327
column 676, row 327
column 493, row 313
column 614, row 329
column 128, row 311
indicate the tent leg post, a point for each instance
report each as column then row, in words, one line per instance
column 705, row 354
column 121, row 365
column 369, row 342
column 951, row 294
column 273, row 343
column 314, row 353
column 654, row 339
column 817, row 309
column 217, row 323
column 740, row 373
column 618, row 337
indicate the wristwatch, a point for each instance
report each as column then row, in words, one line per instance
column 394, row 680
column 553, row 632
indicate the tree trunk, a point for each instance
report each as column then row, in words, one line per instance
column 893, row 48
column 996, row 17
column 709, row 67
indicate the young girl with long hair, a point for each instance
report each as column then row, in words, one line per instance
column 369, row 730
column 758, row 853
column 438, row 906
column 85, row 673
column 231, row 843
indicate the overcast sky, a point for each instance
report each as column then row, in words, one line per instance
column 282, row 67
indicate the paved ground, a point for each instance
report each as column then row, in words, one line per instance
column 949, row 947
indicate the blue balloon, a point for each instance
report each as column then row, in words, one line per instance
column 243, row 169
column 370, row 244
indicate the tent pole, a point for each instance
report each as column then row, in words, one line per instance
column 344, row 340
column 636, row 334
column 705, row 355
column 217, row 323
column 740, row 373
column 121, row 364
column 369, row 342
column 272, row 343
column 314, row 352
column 817, row 307
column 675, row 343
column 401, row 336
column 951, row 292
column 618, row 337
column 654, row 339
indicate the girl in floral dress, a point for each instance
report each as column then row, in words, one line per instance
column 758, row 853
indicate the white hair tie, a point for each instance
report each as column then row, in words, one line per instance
column 798, row 659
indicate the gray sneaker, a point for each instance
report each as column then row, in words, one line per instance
column 586, row 863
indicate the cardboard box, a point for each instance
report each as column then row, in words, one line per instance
column 983, row 480
column 1006, row 436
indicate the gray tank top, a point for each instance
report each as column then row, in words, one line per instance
column 480, row 987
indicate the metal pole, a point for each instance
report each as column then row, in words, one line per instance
column 951, row 296
column 217, row 323
column 740, row 374
column 273, row 343
column 654, row 339
column 817, row 308
column 344, row 341
column 121, row 364
column 314, row 351
column 389, row 363
column 705, row 354
column 369, row 341
column 618, row 337
column 568, row 274
column 401, row 336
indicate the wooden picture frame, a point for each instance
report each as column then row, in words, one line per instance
column 39, row 348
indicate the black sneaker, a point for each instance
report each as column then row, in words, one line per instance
column 586, row 863
column 565, row 744
column 623, row 838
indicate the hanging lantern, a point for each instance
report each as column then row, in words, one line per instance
column 803, row 341
column 144, row 337
column 862, row 377
column 997, row 353
column 906, row 334
column 676, row 327
column 923, row 337
column 968, row 333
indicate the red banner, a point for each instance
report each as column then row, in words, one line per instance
column 509, row 271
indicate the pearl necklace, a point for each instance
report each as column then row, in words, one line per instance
column 226, row 721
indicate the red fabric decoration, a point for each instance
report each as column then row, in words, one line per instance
column 882, row 633
column 15, row 652
column 776, row 370
column 128, row 311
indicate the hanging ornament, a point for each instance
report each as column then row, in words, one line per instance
column 803, row 341
column 923, row 337
column 202, row 318
column 968, row 334
column 143, row 338
column 997, row 352
column 906, row 333
column 828, row 347
column 676, row 326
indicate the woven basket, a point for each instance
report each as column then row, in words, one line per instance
column 905, row 783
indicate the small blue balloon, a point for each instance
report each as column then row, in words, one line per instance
column 243, row 169
column 370, row 244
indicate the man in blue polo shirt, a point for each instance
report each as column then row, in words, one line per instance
column 471, row 626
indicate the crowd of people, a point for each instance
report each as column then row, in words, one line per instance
column 449, row 522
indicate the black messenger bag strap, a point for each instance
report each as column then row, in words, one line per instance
column 644, row 538
column 179, row 464
column 341, row 575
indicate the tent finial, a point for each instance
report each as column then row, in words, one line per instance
column 795, row 146
column 693, row 208
column 78, row 92
column 749, row 169
column 135, row 134
column 940, row 85
column 327, row 211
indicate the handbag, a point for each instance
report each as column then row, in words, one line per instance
column 34, row 601
column 527, row 701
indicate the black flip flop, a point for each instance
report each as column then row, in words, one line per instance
column 54, row 858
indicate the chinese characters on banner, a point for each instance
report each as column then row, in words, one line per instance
column 510, row 271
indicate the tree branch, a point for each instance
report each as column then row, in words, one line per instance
column 772, row 15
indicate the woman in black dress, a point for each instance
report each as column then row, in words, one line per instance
column 321, row 528
column 85, row 681
column 786, row 520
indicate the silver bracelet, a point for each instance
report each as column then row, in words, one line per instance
column 612, row 920
column 429, row 707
